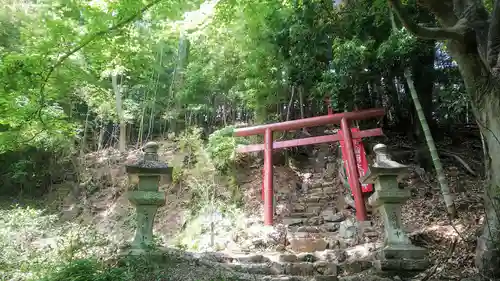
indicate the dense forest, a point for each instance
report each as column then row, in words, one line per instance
column 80, row 76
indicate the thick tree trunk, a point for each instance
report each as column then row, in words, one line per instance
column 484, row 92
column 473, row 40
column 488, row 244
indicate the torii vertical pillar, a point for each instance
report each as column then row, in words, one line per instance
column 268, row 177
column 352, row 171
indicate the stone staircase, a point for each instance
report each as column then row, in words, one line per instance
column 321, row 241
column 318, row 221
column 326, row 265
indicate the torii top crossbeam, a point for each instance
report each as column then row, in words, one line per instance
column 310, row 122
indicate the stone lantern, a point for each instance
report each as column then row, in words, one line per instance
column 145, row 195
column 397, row 253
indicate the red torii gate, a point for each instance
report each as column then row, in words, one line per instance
column 347, row 137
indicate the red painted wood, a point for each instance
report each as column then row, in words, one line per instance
column 268, row 177
column 312, row 140
column 361, row 161
column 310, row 122
column 353, row 171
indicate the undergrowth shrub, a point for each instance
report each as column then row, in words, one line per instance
column 207, row 171
column 31, row 171
column 34, row 242
column 131, row 268
column 209, row 174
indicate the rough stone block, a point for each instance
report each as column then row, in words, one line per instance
column 330, row 227
column 336, row 255
column 315, row 221
column 307, row 244
column 306, row 257
column 293, row 221
column 308, row 228
column 331, row 216
column 251, row 259
column 301, row 269
column 403, row 252
column 401, row 264
column 287, row 258
column 348, row 229
column 356, row 266
column 326, row 268
column 325, row 278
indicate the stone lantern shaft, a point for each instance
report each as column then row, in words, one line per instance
column 145, row 196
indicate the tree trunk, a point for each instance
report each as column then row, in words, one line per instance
column 443, row 183
column 102, row 131
column 123, row 126
column 482, row 88
column 488, row 244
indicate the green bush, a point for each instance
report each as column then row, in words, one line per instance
column 86, row 270
column 33, row 242
column 140, row 268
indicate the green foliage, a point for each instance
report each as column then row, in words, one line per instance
column 207, row 173
column 130, row 268
column 33, row 243
column 221, row 148
column 399, row 48
column 85, row 270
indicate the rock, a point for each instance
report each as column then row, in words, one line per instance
column 326, row 268
column 259, row 268
column 251, row 259
column 370, row 234
column 283, row 278
column 356, row 266
column 330, row 226
column 314, row 209
column 364, row 251
column 299, row 207
column 332, row 255
column 287, row 258
column 316, row 199
column 315, row 221
column 258, row 242
column 331, row 216
column 301, row 269
column 348, row 228
column 364, row 277
column 310, row 229
column 307, row 244
column 325, row 278
column 307, row 257
column 302, row 215
column 293, row 221
column 280, row 248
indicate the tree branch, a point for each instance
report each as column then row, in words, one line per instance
column 437, row 33
column 88, row 41
column 493, row 48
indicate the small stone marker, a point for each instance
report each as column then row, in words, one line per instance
column 398, row 253
column 145, row 195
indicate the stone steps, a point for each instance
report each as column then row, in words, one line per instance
column 315, row 199
column 317, row 268
column 300, row 278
